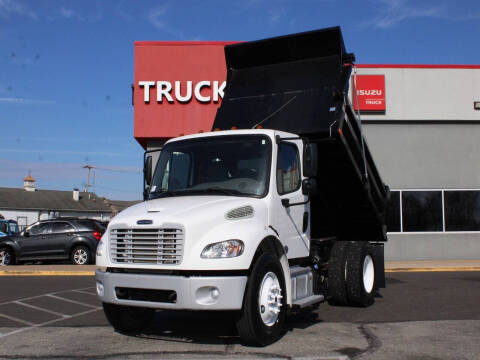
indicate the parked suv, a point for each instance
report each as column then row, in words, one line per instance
column 57, row 239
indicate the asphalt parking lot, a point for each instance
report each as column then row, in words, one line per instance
column 431, row 315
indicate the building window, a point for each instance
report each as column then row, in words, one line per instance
column 393, row 212
column 462, row 210
column 422, row 211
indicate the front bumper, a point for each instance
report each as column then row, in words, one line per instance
column 192, row 293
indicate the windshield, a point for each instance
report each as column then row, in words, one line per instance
column 225, row 165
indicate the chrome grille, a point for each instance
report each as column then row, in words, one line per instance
column 146, row 246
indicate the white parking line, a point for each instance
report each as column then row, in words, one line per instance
column 46, row 323
column 39, row 296
column 84, row 292
column 72, row 301
column 42, row 309
column 17, row 320
column 53, row 295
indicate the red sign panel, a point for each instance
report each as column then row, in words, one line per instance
column 178, row 87
column 371, row 93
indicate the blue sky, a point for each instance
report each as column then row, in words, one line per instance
column 67, row 67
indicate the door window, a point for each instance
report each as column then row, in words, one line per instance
column 288, row 168
column 39, row 229
column 61, row 227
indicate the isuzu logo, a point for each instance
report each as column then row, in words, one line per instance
column 182, row 91
column 370, row 92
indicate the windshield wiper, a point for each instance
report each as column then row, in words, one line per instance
column 161, row 193
column 167, row 193
column 217, row 191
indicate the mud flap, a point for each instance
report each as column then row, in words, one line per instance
column 377, row 250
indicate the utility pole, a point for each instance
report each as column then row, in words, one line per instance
column 89, row 167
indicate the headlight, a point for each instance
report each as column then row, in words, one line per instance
column 100, row 248
column 224, row 249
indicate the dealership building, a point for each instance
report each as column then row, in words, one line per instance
column 421, row 122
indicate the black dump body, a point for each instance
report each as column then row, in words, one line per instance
column 299, row 83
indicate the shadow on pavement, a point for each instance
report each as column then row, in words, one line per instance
column 209, row 327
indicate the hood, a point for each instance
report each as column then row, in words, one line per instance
column 183, row 210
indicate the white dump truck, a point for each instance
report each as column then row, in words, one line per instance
column 279, row 208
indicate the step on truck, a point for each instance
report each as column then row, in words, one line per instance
column 279, row 208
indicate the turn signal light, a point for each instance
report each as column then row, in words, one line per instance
column 259, row 127
column 97, row 235
column 233, row 128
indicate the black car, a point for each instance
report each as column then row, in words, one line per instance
column 57, row 239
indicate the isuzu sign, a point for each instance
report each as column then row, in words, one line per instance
column 371, row 93
column 177, row 88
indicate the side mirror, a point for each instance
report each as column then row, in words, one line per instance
column 309, row 187
column 26, row 234
column 310, row 160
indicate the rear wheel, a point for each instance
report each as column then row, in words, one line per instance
column 337, row 274
column 264, row 308
column 7, row 257
column 361, row 275
column 81, row 255
column 128, row 318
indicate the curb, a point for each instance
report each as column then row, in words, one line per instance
column 47, row 273
column 92, row 273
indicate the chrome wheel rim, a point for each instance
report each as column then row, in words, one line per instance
column 368, row 274
column 270, row 299
column 5, row 258
column 80, row 256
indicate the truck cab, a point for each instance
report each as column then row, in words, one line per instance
column 214, row 199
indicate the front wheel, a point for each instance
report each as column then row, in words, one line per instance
column 7, row 257
column 264, row 307
column 128, row 319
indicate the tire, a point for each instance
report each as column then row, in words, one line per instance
column 259, row 322
column 7, row 256
column 361, row 275
column 128, row 319
column 81, row 255
column 337, row 273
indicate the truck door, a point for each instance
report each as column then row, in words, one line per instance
column 288, row 220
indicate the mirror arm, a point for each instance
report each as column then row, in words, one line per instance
column 286, row 202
